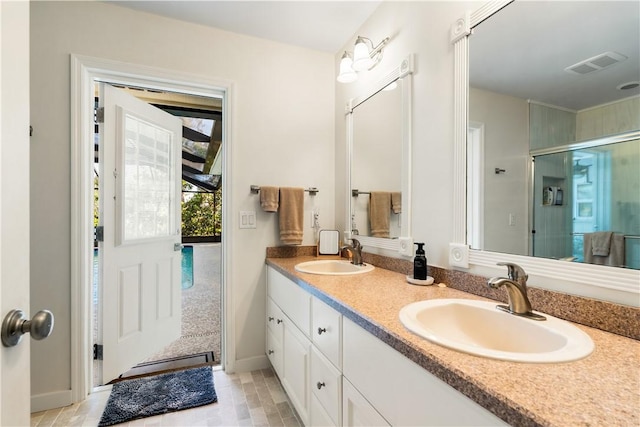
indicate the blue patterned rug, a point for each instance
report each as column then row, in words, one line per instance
column 159, row 394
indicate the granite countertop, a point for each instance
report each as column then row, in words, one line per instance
column 602, row 389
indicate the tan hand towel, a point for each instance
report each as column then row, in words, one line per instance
column 379, row 208
column 601, row 243
column 616, row 256
column 396, row 202
column 269, row 198
column 291, row 215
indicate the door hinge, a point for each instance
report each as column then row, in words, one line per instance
column 99, row 233
column 100, row 115
column 97, row 351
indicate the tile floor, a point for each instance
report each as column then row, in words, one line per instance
column 247, row 399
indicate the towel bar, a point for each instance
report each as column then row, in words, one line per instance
column 255, row 189
column 355, row 192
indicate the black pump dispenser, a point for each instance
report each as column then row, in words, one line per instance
column 420, row 263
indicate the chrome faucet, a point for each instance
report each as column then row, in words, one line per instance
column 516, row 286
column 355, row 249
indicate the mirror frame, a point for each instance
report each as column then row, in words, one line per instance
column 403, row 71
column 616, row 285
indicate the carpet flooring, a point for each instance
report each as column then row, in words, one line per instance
column 159, row 394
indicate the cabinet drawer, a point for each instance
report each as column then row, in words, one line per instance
column 291, row 299
column 326, row 331
column 326, row 384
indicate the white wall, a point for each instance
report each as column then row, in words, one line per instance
column 506, row 146
column 421, row 28
column 282, row 134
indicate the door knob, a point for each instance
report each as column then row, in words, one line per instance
column 15, row 324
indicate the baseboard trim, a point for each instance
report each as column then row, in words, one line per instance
column 252, row 364
column 46, row 401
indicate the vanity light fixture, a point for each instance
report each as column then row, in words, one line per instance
column 365, row 57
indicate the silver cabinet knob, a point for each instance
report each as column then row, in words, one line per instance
column 15, row 324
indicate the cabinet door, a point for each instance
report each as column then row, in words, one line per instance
column 326, row 384
column 291, row 298
column 356, row 410
column 274, row 351
column 326, row 331
column 275, row 327
column 318, row 417
column 296, row 368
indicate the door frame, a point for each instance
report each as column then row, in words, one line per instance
column 84, row 71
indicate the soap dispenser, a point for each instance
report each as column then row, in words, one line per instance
column 420, row 263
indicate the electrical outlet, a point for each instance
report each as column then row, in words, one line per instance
column 458, row 255
column 406, row 246
column 512, row 219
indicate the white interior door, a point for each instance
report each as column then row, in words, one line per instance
column 140, row 189
column 14, row 206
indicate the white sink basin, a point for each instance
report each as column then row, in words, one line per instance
column 334, row 267
column 478, row 328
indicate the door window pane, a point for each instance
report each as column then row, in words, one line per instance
column 148, row 180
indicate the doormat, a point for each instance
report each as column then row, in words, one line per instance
column 159, row 394
column 166, row 365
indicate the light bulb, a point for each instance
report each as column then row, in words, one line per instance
column 346, row 75
column 361, row 55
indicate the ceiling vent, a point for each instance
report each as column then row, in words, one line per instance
column 596, row 63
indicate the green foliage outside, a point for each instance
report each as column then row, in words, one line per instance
column 201, row 213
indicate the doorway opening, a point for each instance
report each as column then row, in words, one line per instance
column 200, row 341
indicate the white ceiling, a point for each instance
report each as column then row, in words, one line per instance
column 322, row 25
column 523, row 50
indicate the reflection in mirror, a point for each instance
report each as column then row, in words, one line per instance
column 379, row 162
column 538, row 90
column 586, row 203
column 376, row 202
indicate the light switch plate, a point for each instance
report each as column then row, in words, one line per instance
column 406, row 246
column 458, row 255
column 247, row 219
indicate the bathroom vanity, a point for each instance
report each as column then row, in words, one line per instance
column 344, row 358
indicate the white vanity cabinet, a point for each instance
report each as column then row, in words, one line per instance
column 338, row 374
column 326, row 363
column 288, row 343
column 400, row 390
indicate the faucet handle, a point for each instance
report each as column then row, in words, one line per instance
column 514, row 271
column 356, row 243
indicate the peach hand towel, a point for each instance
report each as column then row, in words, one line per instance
column 396, row 202
column 291, row 215
column 269, row 198
column 379, row 208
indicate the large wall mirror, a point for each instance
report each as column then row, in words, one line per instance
column 379, row 141
column 547, row 128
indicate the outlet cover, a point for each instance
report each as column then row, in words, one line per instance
column 406, row 246
column 458, row 255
